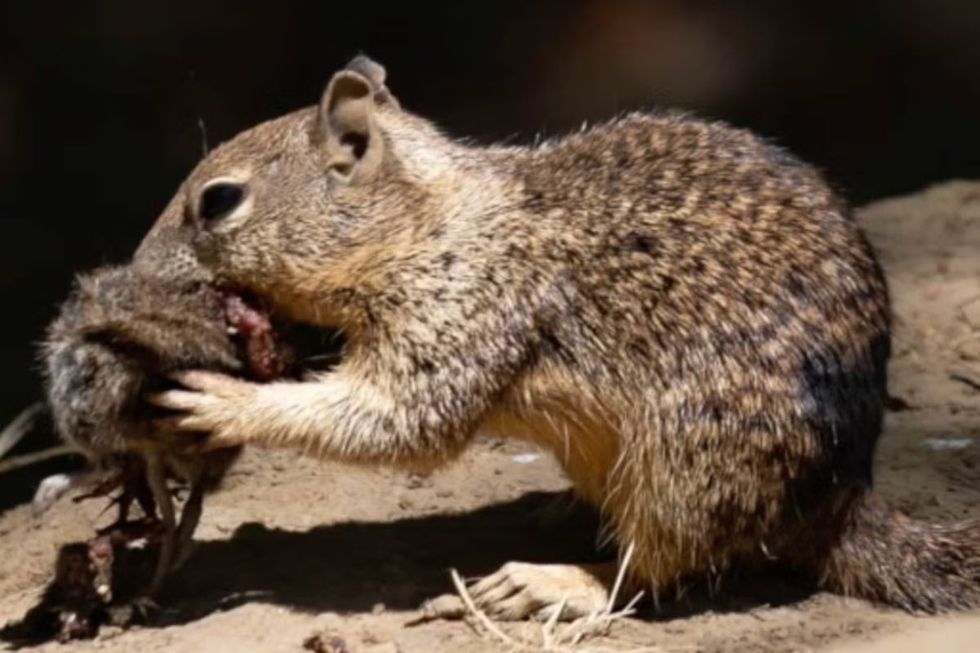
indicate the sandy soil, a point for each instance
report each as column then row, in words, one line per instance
column 291, row 547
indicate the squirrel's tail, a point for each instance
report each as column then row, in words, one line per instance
column 887, row 557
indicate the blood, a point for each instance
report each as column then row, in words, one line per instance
column 253, row 326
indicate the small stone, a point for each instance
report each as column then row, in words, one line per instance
column 385, row 647
column 325, row 642
column 416, row 481
column 378, row 608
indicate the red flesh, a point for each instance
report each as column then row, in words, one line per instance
column 258, row 337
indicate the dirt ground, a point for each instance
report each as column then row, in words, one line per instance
column 291, row 547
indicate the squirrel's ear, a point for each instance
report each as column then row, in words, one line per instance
column 376, row 74
column 349, row 127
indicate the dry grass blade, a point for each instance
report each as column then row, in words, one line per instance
column 548, row 628
column 29, row 459
column 19, row 427
column 966, row 378
column 620, row 575
column 556, row 637
column 481, row 616
column 15, row 432
column 598, row 623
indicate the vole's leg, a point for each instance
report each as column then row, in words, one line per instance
column 156, row 477
column 190, row 516
column 144, row 497
column 123, row 502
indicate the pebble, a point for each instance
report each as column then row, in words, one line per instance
column 947, row 444
column 386, row 647
column 525, row 458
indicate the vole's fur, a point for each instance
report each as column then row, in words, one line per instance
column 115, row 332
column 686, row 315
column 117, row 336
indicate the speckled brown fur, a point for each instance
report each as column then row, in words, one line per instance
column 685, row 314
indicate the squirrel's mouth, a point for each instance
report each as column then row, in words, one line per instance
column 272, row 346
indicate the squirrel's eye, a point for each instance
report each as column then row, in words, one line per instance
column 218, row 200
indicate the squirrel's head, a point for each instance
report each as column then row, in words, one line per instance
column 311, row 196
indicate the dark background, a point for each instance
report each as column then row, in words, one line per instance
column 100, row 101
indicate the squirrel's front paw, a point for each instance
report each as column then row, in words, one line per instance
column 211, row 403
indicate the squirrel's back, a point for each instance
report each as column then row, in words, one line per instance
column 720, row 325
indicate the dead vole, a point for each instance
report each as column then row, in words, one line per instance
column 117, row 337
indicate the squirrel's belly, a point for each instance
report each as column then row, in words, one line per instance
column 583, row 439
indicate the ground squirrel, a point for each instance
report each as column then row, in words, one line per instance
column 686, row 315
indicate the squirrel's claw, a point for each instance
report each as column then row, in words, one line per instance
column 212, row 403
column 213, row 383
column 180, row 400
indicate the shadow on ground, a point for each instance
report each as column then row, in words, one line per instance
column 352, row 567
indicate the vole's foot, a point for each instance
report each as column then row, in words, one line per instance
column 520, row 590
